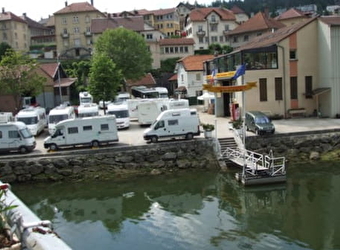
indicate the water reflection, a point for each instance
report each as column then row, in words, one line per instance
column 194, row 211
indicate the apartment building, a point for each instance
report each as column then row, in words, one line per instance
column 209, row 25
column 293, row 16
column 73, row 29
column 14, row 31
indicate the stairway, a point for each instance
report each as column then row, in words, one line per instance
column 227, row 143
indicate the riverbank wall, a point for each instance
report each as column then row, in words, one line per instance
column 110, row 162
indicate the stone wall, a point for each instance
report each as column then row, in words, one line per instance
column 110, row 162
column 296, row 147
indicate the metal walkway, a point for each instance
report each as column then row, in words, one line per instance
column 256, row 168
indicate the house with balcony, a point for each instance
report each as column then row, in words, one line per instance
column 293, row 16
column 190, row 75
column 285, row 64
column 14, row 31
column 209, row 25
column 183, row 9
column 255, row 26
column 73, row 29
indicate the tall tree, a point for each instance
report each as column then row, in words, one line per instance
column 19, row 76
column 105, row 78
column 127, row 49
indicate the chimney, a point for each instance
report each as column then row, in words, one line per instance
column 3, row 10
column 92, row 2
column 65, row 3
column 266, row 12
column 24, row 14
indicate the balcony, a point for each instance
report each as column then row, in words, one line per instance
column 87, row 33
column 65, row 35
column 200, row 33
column 213, row 21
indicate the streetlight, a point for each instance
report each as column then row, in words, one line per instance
column 61, row 101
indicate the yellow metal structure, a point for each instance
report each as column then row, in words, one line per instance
column 229, row 89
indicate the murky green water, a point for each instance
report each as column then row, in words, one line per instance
column 194, row 211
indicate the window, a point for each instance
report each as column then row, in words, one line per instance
column 4, row 36
column 172, row 122
column 235, row 39
column 64, row 31
column 278, row 89
column 87, row 19
column 200, row 40
column 214, row 39
column 292, row 55
column 198, row 77
column 213, row 18
column 0, row 134
column 221, row 39
column 64, row 20
column 13, row 134
column 213, row 27
column 226, row 27
column 263, row 90
column 149, row 36
column 293, row 88
column 72, row 130
column 182, row 77
column 87, row 128
column 76, row 30
column 309, row 87
column 75, row 19
column 245, row 38
column 77, row 42
column 200, row 27
column 104, row 126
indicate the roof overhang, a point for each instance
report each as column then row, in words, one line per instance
column 320, row 91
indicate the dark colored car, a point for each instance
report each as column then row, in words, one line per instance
column 259, row 123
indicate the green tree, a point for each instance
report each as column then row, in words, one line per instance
column 105, row 78
column 19, row 76
column 3, row 49
column 127, row 49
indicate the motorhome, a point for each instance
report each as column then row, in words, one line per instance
column 121, row 111
column 133, row 107
column 58, row 114
column 178, row 103
column 6, row 117
column 88, row 109
column 85, row 97
column 92, row 131
column 15, row 136
column 174, row 123
column 35, row 119
column 162, row 92
column 122, row 97
column 149, row 110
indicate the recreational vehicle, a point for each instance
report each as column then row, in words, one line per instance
column 149, row 110
column 91, row 131
column 88, row 109
column 15, row 136
column 58, row 114
column 121, row 111
column 174, row 123
column 85, row 97
column 6, row 117
column 178, row 103
column 34, row 118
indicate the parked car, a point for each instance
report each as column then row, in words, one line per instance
column 259, row 123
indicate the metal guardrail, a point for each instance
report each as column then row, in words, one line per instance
column 33, row 233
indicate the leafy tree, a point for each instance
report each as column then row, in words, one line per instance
column 3, row 49
column 168, row 65
column 19, row 77
column 127, row 49
column 80, row 70
column 105, row 78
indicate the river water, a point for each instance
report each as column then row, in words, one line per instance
column 194, row 211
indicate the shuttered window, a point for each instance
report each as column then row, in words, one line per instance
column 263, row 89
column 293, row 88
column 278, row 89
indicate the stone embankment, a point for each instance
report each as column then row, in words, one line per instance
column 110, row 162
column 297, row 147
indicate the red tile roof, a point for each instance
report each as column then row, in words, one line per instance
column 134, row 23
column 237, row 10
column 195, row 62
column 200, row 14
column 291, row 13
column 147, row 80
column 176, row 41
column 49, row 68
column 259, row 22
column 272, row 38
column 6, row 16
column 331, row 20
column 173, row 77
column 76, row 7
column 159, row 12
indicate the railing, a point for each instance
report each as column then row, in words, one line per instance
column 32, row 232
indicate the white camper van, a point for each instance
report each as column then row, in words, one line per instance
column 149, row 110
column 15, row 136
column 85, row 97
column 6, row 117
column 58, row 114
column 88, row 109
column 121, row 111
column 174, row 123
column 85, row 131
column 34, row 117
column 178, row 104
column 162, row 92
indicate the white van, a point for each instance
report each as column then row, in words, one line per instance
column 149, row 110
column 174, row 123
column 88, row 109
column 85, row 97
column 58, row 114
column 162, row 92
column 83, row 131
column 34, row 118
column 15, row 136
column 6, row 117
column 121, row 111
column 178, row 104
column 122, row 97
